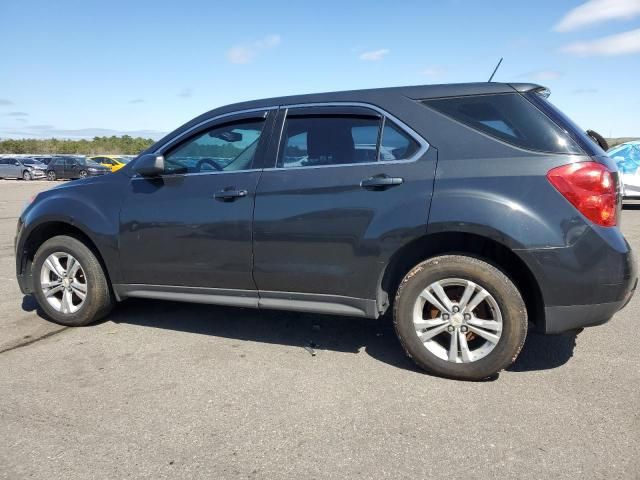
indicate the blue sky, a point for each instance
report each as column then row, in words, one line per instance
column 81, row 68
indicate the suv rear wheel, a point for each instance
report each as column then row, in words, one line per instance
column 460, row 317
column 69, row 282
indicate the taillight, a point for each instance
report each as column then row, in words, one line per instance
column 590, row 187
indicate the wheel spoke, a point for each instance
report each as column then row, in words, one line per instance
column 433, row 300
column 468, row 291
column 432, row 322
column 486, row 324
column 441, row 294
column 464, row 347
column 80, row 290
column 453, row 347
column 484, row 334
column 429, row 334
column 53, row 263
column 66, row 302
column 54, row 290
column 480, row 296
column 51, row 284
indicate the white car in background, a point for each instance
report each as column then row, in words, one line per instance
column 627, row 157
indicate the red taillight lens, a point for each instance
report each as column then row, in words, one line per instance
column 590, row 187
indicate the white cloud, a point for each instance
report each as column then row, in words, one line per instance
column 186, row 93
column 374, row 55
column 621, row 44
column 245, row 53
column 597, row 11
column 434, row 71
column 5, row 102
column 136, row 100
column 542, row 75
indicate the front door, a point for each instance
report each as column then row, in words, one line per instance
column 192, row 226
column 349, row 188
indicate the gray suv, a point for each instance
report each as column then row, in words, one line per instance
column 467, row 213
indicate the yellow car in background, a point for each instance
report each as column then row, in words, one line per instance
column 114, row 162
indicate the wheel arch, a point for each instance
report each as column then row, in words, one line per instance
column 462, row 243
column 53, row 228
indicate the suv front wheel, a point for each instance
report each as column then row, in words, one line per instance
column 460, row 317
column 69, row 282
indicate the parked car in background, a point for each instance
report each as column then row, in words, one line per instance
column 627, row 158
column 480, row 210
column 74, row 167
column 113, row 162
column 45, row 159
column 24, row 168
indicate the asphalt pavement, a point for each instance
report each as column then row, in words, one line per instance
column 170, row 390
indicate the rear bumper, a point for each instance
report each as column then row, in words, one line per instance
column 584, row 284
column 572, row 317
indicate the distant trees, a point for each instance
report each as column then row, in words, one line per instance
column 124, row 145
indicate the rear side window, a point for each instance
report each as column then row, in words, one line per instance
column 396, row 144
column 313, row 140
column 317, row 139
column 507, row 117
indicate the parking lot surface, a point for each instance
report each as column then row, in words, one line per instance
column 169, row 390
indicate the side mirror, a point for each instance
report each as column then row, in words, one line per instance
column 149, row 165
column 17, row 164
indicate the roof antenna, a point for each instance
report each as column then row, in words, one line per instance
column 495, row 70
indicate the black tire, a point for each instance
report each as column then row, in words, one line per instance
column 505, row 293
column 99, row 299
column 26, row 176
column 51, row 175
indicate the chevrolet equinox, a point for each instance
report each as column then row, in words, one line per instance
column 468, row 212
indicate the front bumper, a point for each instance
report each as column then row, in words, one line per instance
column 37, row 174
column 97, row 173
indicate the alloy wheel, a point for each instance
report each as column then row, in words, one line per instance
column 457, row 320
column 63, row 282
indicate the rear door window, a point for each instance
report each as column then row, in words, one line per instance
column 329, row 139
column 510, row 118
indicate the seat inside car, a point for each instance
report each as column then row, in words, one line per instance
column 330, row 142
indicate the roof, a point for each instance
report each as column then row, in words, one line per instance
column 412, row 92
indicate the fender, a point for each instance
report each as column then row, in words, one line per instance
column 94, row 211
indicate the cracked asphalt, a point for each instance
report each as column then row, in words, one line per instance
column 169, row 390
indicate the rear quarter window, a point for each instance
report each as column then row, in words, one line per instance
column 510, row 118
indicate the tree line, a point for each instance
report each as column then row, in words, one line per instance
column 114, row 145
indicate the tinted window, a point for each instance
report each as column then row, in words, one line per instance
column 313, row 140
column 578, row 134
column 395, row 144
column 228, row 147
column 508, row 117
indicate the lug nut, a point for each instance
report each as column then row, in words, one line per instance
column 450, row 329
column 464, row 329
column 456, row 309
column 445, row 316
column 467, row 316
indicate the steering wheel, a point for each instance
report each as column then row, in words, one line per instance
column 208, row 161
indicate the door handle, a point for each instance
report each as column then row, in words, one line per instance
column 229, row 194
column 381, row 182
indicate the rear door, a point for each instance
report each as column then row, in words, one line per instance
column 348, row 186
column 3, row 167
